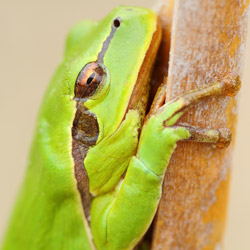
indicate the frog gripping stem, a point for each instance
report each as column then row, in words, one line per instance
column 220, row 137
column 162, row 131
column 229, row 86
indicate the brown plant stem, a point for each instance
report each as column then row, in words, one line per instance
column 208, row 42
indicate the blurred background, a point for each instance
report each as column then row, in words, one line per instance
column 32, row 38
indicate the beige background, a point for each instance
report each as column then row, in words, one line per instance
column 31, row 45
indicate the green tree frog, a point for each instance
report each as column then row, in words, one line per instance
column 96, row 164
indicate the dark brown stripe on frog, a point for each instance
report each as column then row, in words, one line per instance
column 106, row 43
column 85, row 131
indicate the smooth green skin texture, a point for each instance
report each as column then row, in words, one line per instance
column 135, row 199
column 48, row 213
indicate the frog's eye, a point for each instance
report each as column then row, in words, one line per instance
column 90, row 80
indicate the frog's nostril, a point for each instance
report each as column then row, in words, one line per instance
column 117, row 23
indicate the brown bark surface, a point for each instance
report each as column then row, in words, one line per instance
column 208, row 41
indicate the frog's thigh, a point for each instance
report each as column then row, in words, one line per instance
column 135, row 205
column 125, row 219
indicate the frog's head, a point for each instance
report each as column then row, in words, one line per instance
column 109, row 63
column 111, row 71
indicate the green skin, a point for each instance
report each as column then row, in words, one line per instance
column 49, row 213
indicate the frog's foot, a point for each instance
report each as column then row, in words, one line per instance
column 229, row 86
column 170, row 112
column 220, row 137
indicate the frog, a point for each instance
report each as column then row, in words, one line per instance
column 98, row 157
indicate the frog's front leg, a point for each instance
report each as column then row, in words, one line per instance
column 161, row 131
column 119, row 219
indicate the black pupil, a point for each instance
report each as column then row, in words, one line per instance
column 91, row 78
